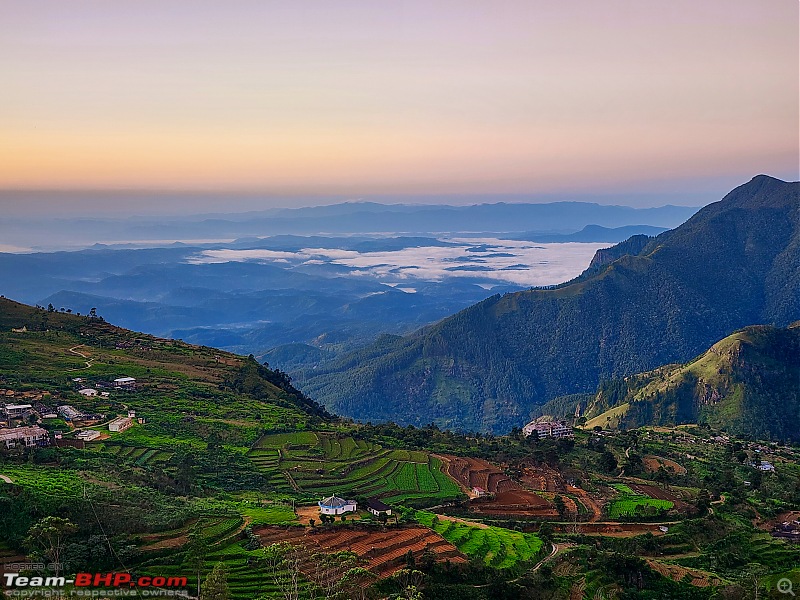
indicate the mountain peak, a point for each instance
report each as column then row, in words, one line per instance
column 487, row 367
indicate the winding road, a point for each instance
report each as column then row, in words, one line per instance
column 89, row 361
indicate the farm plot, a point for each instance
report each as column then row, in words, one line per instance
column 323, row 464
column 493, row 546
column 654, row 463
column 506, row 495
column 632, row 504
column 140, row 456
column 675, row 572
column 383, row 552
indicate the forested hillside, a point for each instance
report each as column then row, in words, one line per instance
column 747, row 384
column 733, row 264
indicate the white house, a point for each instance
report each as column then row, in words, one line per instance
column 551, row 429
column 120, row 424
column 16, row 410
column 334, row 505
column 24, row 436
column 125, row 382
column 69, row 412
column 479, row 492
column 87, row 435
column 88, row 392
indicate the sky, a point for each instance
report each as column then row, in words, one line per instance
column 244, row 104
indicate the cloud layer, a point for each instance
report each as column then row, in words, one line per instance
column 483, row 260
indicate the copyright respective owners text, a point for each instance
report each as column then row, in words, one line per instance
column 93, row 585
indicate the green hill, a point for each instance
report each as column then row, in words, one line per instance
column 185, row 391
column 733, row 264
column 747, row 384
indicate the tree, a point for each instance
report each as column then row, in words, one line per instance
column 196, row 552
column 608, row 462
column 752, row 578
column 47, row 538
column 558, row 502
column 215, row 587
column 283, row 562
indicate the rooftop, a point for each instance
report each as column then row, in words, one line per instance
column 334, row 502
column 377, row 505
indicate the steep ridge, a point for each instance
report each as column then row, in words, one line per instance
column 747, row 384
column 733, row 264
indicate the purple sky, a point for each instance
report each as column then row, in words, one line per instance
column 646, row 101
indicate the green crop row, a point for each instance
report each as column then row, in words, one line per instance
column 494, row 546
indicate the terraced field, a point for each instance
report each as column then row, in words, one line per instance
column 323, row 464
column 494, row 546
column 140, row 456
column 383, row 552
column 632, row 504
column 507, row 496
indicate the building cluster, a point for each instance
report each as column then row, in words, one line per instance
column 21, row 414
column 334, row 506
column 763, row 465
column 552, row 429
column 788, row 530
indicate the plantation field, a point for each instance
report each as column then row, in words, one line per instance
column 140, row 456
column 42, row 481
column 382, row 552
column 632, row 504
column 493, row 546
column 321, row 464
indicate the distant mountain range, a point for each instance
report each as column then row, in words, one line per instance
column 593, row 233
column 255, row 294
column 648, row 302
column 349, row 218
column 747, row 384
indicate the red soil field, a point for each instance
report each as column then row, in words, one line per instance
column 544, row 479
column 509, row 497
column 383, row 551
column 652, row 464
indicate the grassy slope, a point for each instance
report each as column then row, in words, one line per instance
column 747, row 383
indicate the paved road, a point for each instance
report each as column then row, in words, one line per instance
column 546, row 558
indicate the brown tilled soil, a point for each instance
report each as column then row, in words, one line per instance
column 509, row 497
column 544, row 479
column 611, row 529
column 678, row 573
column 652, row 464
column 653, row 491
column 383, row 551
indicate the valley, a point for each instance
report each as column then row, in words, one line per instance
column 230, row 463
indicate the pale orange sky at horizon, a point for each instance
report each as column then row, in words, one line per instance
column 410, row 98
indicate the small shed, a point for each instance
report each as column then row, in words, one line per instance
column 378, row 508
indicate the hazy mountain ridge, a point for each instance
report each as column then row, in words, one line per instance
column 349, row 218
column 729, row 266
